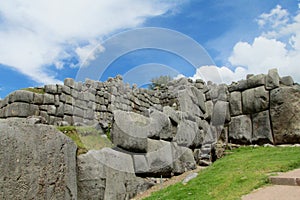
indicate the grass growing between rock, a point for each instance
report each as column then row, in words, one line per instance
column 86, row 138
column 238, row 173
column 35, row 90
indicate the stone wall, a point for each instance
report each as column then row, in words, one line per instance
column 248, row 111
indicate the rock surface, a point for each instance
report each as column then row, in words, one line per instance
column 285, row 117
column 36, row 162
column 108, row 174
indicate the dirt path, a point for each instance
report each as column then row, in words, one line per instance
column 171, row 181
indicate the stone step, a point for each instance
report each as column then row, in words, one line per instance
column 291, row 178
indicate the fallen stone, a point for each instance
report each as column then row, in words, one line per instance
column 189, row 177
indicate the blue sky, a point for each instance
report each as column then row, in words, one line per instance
column 44, row 42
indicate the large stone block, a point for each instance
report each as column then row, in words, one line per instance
column 130, row 131
column 235, row 103
column 256, row 81
column 285, row 114
column 262, row 131
column 272, row 79
column 36, row 162
column 240, row 130
column 21, row 96
column 255, row 100
column 160, row 126
column 19, row 109
column 188, row 134
column 108, row 174
column 221, row 113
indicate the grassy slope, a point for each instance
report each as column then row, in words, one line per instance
column 234, row 175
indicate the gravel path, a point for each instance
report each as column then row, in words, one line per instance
column 171, row 181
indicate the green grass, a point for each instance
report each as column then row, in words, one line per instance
column 86, row 138
column 238, row 173
column 35, row 90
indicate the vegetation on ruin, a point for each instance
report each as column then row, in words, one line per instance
column 35, row 90
column 158, row 82
column 86, row 138
column 237, row 174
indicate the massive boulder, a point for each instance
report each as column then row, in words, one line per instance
column 108, row 174
column 285, row 114
column 262, row 131
column 240, row 129
column 130, row 131
column 255, row 100
column 163, row 159
column 36, row 162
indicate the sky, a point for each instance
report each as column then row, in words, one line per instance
column 44, row 42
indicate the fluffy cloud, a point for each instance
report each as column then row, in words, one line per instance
column 36, row 34
column 277, row 47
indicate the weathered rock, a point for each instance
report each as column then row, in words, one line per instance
column 187, row 102
column 171, row 113
column 235, row 103
column 209, row 110
column 163, row 159
column 189, row 177
column 220, row 113
column 51, row 89
column 287, row 81
column 262, row 132
column 238, row 86
column 108, row 174
column 272, row 79
column 256, row 81
column 183, row 159
column 19, row 109
column 160, row 126
column 188, row 134
column 255, row 100
column 21, row 96
column 285, row 114
column 240, row 130
column 36, row 162
column 130, row 131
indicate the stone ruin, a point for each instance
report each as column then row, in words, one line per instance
column 156, row 133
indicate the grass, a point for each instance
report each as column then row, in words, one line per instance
column 86, row 138
column 35, row 90
column 238, row 173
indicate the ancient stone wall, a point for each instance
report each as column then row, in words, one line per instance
column 248, row 111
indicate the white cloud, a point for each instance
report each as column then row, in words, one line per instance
column 278, row 47
column 275, row 18
column 35, row 34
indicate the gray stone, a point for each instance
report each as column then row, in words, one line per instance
column 199, row 99
column 285, row 114
column 108, row 174
column 188, row 134
column 68, row 109
column 262, row 132
column 238, row 86
column 37, row 162
column 130, row 131
column 272, row 79
column 69, row 82
column 171, row 113
column 78, row 112
column 51, row 89
column 189, row 177
column 159, row 157
column 256, row 81
column 48, row 99
column 19, row 109
column 240, row 130
column 51, row 109
column 21, row 96
column 187, row 101
column 160, row 126
column 209, row 110
column 287, row 81
column 38, row 99
column 183, row 159
column 220, row 113
column 235, row 103
column 255, row 100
